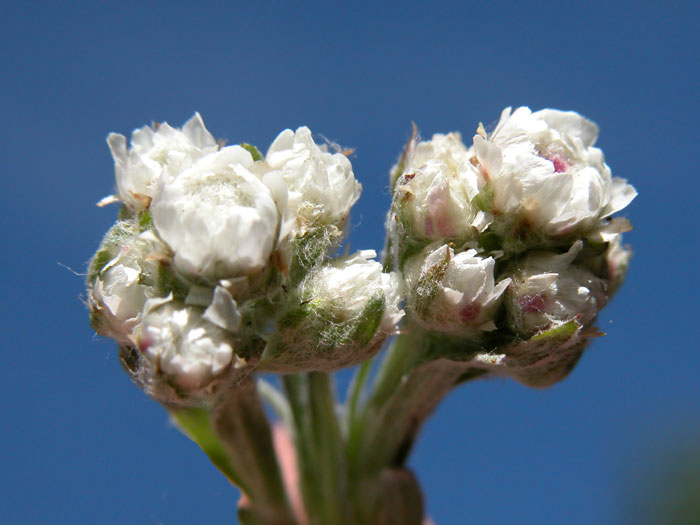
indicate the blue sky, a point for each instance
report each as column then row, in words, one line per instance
column 81, row 444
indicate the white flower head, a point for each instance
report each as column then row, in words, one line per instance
column 217, row 216
column 321, row 185
column 156, row 152
column 543, row 167
column 339, row 316
column 119, row 288
column 181, row 344
column 550, row 289
column 346, row 286
column 453, row 293
column 435, row 194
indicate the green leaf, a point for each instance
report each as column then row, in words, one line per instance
column 195, row 423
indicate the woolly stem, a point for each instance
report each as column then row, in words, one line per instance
column 407, row 389
column 236, row 436
column 319, row 445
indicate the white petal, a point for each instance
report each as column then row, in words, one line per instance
column 195, row 130
column 570, row 123
column 489, row 155
column 621, row 194
column 223, row 311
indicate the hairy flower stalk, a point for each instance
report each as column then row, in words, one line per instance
column 500, row 255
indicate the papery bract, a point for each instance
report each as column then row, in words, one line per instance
column 155, row 152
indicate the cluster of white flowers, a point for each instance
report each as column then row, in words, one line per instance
column 310, row 172
column 187, row 348
column 536, row 176
column 466, row 223
column 119, row 279
column 438, row 190
column 205, row 228
column 218, row 216
column 218, row 246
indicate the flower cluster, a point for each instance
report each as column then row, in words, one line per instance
column 214, row 244
column 513, row 232
column 221, row 264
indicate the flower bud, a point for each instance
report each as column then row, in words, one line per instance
column 217, row 216
column 318, row 189
column 156, row 152
column 182, row 345
column 179, row 356
column 122, row 277
column 321, row 185
column 338, row 316
column 550, row 290
column 433, row 198
column 453, row 293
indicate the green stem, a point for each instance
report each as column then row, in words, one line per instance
column 408, row 388
column 276, row 400
column 195, row 423
column 400, row 357
column 236, row 436
column 319, row 445
column 328, row 443
column 355, row 391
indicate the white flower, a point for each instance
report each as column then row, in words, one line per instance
column 321, row 185
column 344, row 288
column 437, row 190
column 549, row 291
column 217, row 216
column 544, row 167
column 156, row 152
column 453, row 293
column 122, row 286
column 180, row 343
